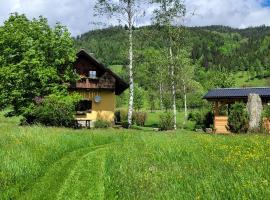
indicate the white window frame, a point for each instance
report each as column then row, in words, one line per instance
column 92, row 74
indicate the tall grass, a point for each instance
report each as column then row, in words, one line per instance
column 27, row 152
column 51, row 163
column 190, row 166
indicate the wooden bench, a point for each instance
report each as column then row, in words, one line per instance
column 79, row 125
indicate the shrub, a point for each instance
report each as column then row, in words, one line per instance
column 139, row 97
column 238, row 118
column 121, row 115
column 202, row 120
column 265, row 120
column 166, row 121
column 117, row 117
column 102, row 124
column 125, row 124
column 139, row 118
column 54, row 110
column 208, row 120
column 266, row 112
column 197, row 118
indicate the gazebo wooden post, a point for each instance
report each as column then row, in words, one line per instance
column 216, row 113
column 216, row 108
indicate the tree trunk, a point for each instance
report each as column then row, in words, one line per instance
column 131, row 81
column 173, row 89
column 185, row 102
column 161, row 95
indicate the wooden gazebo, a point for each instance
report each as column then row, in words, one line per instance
column 222, row 99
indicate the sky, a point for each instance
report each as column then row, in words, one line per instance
column 78, row 15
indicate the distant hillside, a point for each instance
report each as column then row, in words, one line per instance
column 212, row 46
column 220, row 56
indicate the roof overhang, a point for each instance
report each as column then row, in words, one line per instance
column 235, row 94
column 120, row 85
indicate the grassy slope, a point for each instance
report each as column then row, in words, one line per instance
column 242, row 80
column 153, row 119
column 52, row 163
column 116, row 68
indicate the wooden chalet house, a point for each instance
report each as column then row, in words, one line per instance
column 98, row 86
column 222, row 99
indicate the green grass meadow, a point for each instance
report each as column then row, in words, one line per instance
column 56, row 163
column 242, row 79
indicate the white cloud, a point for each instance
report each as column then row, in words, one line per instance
column 77, row 15
column 239, row 14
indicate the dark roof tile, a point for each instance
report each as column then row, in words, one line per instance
column 229, row 93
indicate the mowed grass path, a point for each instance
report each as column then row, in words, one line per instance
column 55, row 163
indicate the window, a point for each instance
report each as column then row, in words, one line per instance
column 92, row 74
column 84, row 106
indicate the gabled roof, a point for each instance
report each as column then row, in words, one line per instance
column 237, row 93
column 120, row 85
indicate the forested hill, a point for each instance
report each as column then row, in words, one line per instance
column 213, row 47
column 214, row 56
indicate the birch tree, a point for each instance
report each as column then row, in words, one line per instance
column 166, row 15
column 125, row 12
column 185, row 76
column 155, row 72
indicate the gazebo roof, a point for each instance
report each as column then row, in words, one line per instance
column 237, row 93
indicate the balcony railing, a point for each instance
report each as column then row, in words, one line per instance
column 87, row 83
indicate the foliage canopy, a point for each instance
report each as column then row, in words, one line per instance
column 35, row 61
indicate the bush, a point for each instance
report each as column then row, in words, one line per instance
column 208, row 120
column 117, row 117
column 121, row 115
column 265, row 120
column 238, row 118
column 166, row 122
column 53, row 110
column 197, row 118
column 102, row 124
column 202, row 120
column 139, row 118
column 125, row 124
column 139, row 97
column 266, row 112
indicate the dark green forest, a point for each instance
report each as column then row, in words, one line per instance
column 219, row 56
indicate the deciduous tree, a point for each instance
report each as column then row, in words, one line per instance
column 126, row 12
column 166, row 15
column 35, row 60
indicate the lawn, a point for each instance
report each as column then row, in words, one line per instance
column 56, row 163
column 242, row 80
column 153, row 119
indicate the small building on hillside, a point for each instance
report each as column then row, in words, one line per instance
column 224, row 97
column 98, row 86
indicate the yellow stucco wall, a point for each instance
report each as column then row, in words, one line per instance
column 104, row 109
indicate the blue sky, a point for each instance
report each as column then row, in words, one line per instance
column 77, row 15
column 266, row 3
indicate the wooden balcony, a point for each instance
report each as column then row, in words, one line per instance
column 87, row 83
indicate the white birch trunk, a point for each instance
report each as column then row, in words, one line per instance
column 185, row 102
column 131, row 81
column 161, row 95
column 173, row 89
